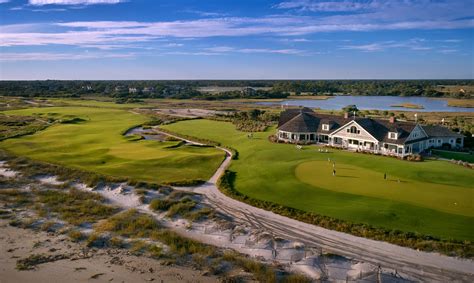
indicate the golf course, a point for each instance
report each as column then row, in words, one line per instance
column 96, row 143
column 430, row 197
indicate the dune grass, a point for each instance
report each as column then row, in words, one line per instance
column 97, row 144
column 269, row 171
column 75, row 207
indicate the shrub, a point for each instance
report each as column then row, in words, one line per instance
column 116, row 242
column 160, row 204
column 129, row 224
column 75, row 207
column 76, row 236
column 47, row 226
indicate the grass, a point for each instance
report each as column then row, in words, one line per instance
column 408, row 105
column 469, row 103
column 75, row 207
column 15, row 198
column 129, row 224
column 268, row 171
column 454, row 155
column 97, row 145
column 15, row 126
column 181, row 203
column 355, row 180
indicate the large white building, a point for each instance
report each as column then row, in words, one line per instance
column 387, row 137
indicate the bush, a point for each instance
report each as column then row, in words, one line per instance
column 160, row 204
column 75, row 207
column 76, row 236
column 129, row 224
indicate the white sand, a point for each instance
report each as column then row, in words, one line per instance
column 7, row 172
column 109, row 265
column 50, row 180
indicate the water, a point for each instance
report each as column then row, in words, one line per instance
column 374, row 102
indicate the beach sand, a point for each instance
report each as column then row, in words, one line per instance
column 82, row 264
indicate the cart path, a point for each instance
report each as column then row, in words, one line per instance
column 422, row 266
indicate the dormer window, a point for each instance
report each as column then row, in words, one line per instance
column 393, row 135
column 325, row 127
column 353, row 130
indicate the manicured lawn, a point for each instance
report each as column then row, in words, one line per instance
column 97, row 145
column 433, row 197
column 454, row 155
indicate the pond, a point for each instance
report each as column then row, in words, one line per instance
column 374, row 102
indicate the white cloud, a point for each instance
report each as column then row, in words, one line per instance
column 72, row 2
column 416, row 44
column 4, row 1
column 90, row 33
column 330, row 6
column 227, row 49
column 448, row 51
column 40, row 56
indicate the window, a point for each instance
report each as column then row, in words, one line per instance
column 325, row 127
column 353, row 130
column 392, row 135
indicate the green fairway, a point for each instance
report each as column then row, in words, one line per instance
column 97, row 145
column 361, row 181
column 433, row 197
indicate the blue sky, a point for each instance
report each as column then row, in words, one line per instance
column 223, row 39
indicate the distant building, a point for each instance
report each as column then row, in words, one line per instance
column 387, row 137
column 148, row 89
column 132, row 90
column 249, row 91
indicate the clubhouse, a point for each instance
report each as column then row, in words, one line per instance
column 386, row 137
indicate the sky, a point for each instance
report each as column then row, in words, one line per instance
column 239, row 39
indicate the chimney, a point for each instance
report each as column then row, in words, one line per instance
column 346, row 115
column 392, row 119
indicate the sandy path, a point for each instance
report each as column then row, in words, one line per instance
column 418, row 265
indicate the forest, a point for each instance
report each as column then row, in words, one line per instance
column 187, row 89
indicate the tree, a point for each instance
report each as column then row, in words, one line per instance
column 350, row 108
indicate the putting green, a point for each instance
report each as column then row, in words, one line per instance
column 279, row 173
column 97, row 145
column 360, row 181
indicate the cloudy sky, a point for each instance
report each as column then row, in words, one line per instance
column 238, row 39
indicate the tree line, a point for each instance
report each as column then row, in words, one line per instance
column 187, row 89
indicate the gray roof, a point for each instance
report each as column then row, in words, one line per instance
column 301, row 123
column 289, row 114
column 440, row 131
column 304, row 120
